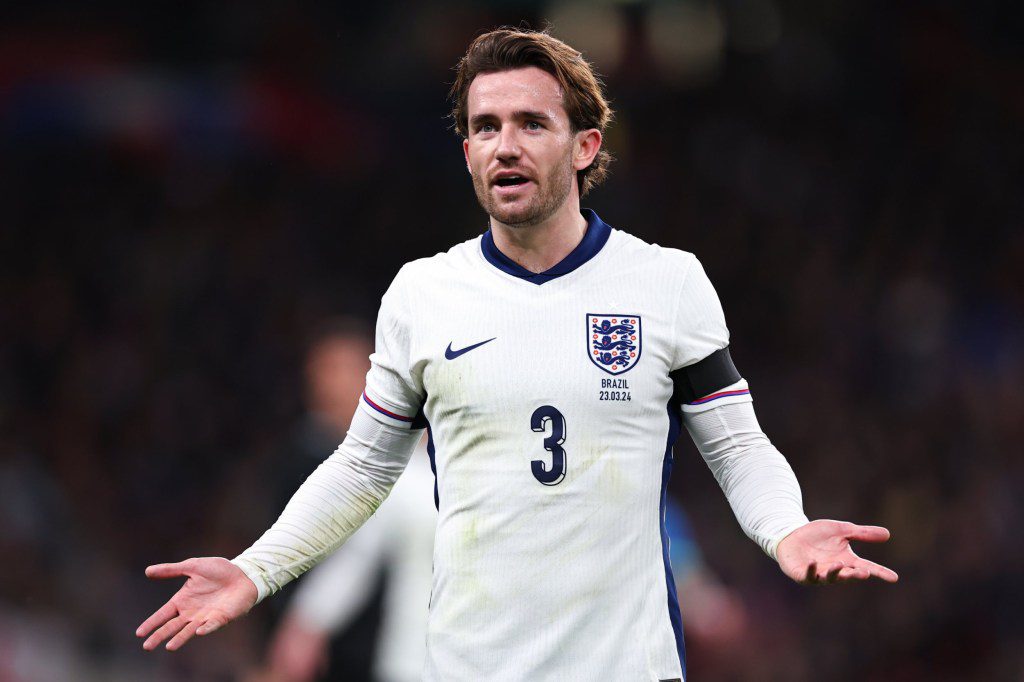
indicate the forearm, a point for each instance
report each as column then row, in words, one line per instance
column 334, row 501
column 756, row 479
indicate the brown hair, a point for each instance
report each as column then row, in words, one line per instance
column 504, row 49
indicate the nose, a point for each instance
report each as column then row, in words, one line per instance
column 508, row 144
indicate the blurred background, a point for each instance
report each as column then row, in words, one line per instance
column 188, row 193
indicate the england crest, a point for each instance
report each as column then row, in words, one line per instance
column 614, row 341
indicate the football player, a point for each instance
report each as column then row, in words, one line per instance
column 554, row 361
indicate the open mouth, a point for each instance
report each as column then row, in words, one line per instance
column 511, row 181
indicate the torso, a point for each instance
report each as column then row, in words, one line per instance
column 549, row 560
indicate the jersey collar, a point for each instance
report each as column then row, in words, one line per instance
column 593, row 241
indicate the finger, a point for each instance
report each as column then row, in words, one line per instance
column 176, row 570
column 878, row 571
column 811, row 575
column 868, row 533
column 851, row 573
column 161, row 616
column 168, row 629
column 833, row 572
column 827, row 573
column 209, row 626
column 187, row 633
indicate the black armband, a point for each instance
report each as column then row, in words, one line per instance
column 704, row 377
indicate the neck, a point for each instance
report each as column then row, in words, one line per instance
column 542, row 246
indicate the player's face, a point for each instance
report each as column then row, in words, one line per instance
column 520, row 145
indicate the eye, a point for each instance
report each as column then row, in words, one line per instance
column 533, row 125
column 486, row 128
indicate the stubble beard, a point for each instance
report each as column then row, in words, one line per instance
column 548, row 198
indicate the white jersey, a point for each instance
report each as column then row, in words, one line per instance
column 551, row 420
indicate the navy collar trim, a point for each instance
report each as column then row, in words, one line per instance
column 593, row 241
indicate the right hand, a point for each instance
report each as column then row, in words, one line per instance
column 215, row 593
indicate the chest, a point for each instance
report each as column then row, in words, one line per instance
column 605, row 350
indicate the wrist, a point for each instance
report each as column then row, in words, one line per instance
column 252, row 574
column 773, row 545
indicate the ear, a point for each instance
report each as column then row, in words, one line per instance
column 465, row 152
column 585, row 148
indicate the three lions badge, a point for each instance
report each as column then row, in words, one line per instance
column 614, row 341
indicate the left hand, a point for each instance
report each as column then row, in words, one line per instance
column 819, row 553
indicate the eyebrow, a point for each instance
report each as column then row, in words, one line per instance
column 520, row 114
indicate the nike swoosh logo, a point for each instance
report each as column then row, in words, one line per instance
column 450, row 354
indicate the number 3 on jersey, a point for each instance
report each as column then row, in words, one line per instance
column 553, row 444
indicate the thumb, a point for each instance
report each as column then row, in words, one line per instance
column 175, row 570
column 869, row 534
column 209, row 626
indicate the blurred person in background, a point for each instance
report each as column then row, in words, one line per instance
column 336, row 362
column 337, row 359
column 398, row 540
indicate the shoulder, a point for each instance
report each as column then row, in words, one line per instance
column 661, row 262
column 440, row 267
column 458, row 258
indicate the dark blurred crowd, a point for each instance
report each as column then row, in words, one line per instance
column 186, row 195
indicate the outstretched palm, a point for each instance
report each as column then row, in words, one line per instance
column 819, row 552
column 215, row 593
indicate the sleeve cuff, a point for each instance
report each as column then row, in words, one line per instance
column 773, row 544
column 252, row 573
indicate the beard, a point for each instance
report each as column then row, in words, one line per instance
column 547, row 198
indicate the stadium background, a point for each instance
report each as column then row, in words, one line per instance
column 186, row 192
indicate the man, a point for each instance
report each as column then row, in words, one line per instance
column 554, row 359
